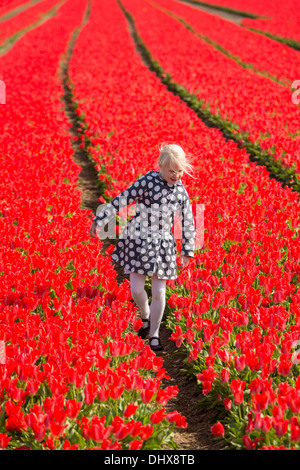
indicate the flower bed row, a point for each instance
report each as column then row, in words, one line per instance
column 74, row 374
column 286, row 32
column 258, row 52
column 281, row 18
column 263, row 8
column 234, row 309
column 25, row 19
column 10, row 5
column 261, row 113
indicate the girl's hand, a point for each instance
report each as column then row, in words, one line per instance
column 93, row 230
column 184, row 261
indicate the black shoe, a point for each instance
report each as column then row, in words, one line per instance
column 155, row 347
column 143, row 332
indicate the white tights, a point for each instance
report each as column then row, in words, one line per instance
column 156, row 310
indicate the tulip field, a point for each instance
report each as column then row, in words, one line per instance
column 115, row 79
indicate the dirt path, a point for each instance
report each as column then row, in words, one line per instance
column 226, row 15
column 11, row 41
column 197, row 436
column 15, row 11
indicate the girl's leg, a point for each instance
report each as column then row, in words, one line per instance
column 157, row 306
column 139, row 295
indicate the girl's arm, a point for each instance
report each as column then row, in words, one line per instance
column 188, row 227
column 106, row 212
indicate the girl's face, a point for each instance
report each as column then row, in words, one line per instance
column 171, row 175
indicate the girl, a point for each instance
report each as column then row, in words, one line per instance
column 147, row 246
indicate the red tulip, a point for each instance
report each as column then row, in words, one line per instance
column 90, row 392
column 177, row 336
column 135, row 445
column 225, row 375
column 97, row 430
column 50, row 443
column 115, row 392
column 157, row 416
column 130, row 410
column 15, row 417
column 240, row 362
column 67, row 446
column 176, row 417
column 249, row 444
column 72, row 408
column 224, row 355
column 135, row 428
column 206, row 387
column 218, row 429
column 295, row 429
column 146, row 431
column 146, row 395
column 280, row 426
column 4, row 440
column 227, row 403
column 57, row 429
column 237, row 388
column 207, row 374
column 266, row 424
column 284, row 367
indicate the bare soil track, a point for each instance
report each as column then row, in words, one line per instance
column 226, row 15
column 197, row 436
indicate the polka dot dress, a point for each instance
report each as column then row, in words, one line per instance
column 147, row 244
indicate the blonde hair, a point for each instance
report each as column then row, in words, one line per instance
column 172, row 155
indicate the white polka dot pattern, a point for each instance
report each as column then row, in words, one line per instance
column 147, row 244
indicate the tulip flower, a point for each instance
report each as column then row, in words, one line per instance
column 130, row 410
column 158, row 416
column 225, row 375
column 240, row 362
column 135, row 445
column 249, row 444
column 218, row 429
column 15, row 417
column 227, row 403
column 4, row 440
column 237, row 388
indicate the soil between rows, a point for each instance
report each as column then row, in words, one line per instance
column 226, row 15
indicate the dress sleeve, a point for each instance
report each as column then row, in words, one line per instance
column 188, row 227
column 106, row 212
